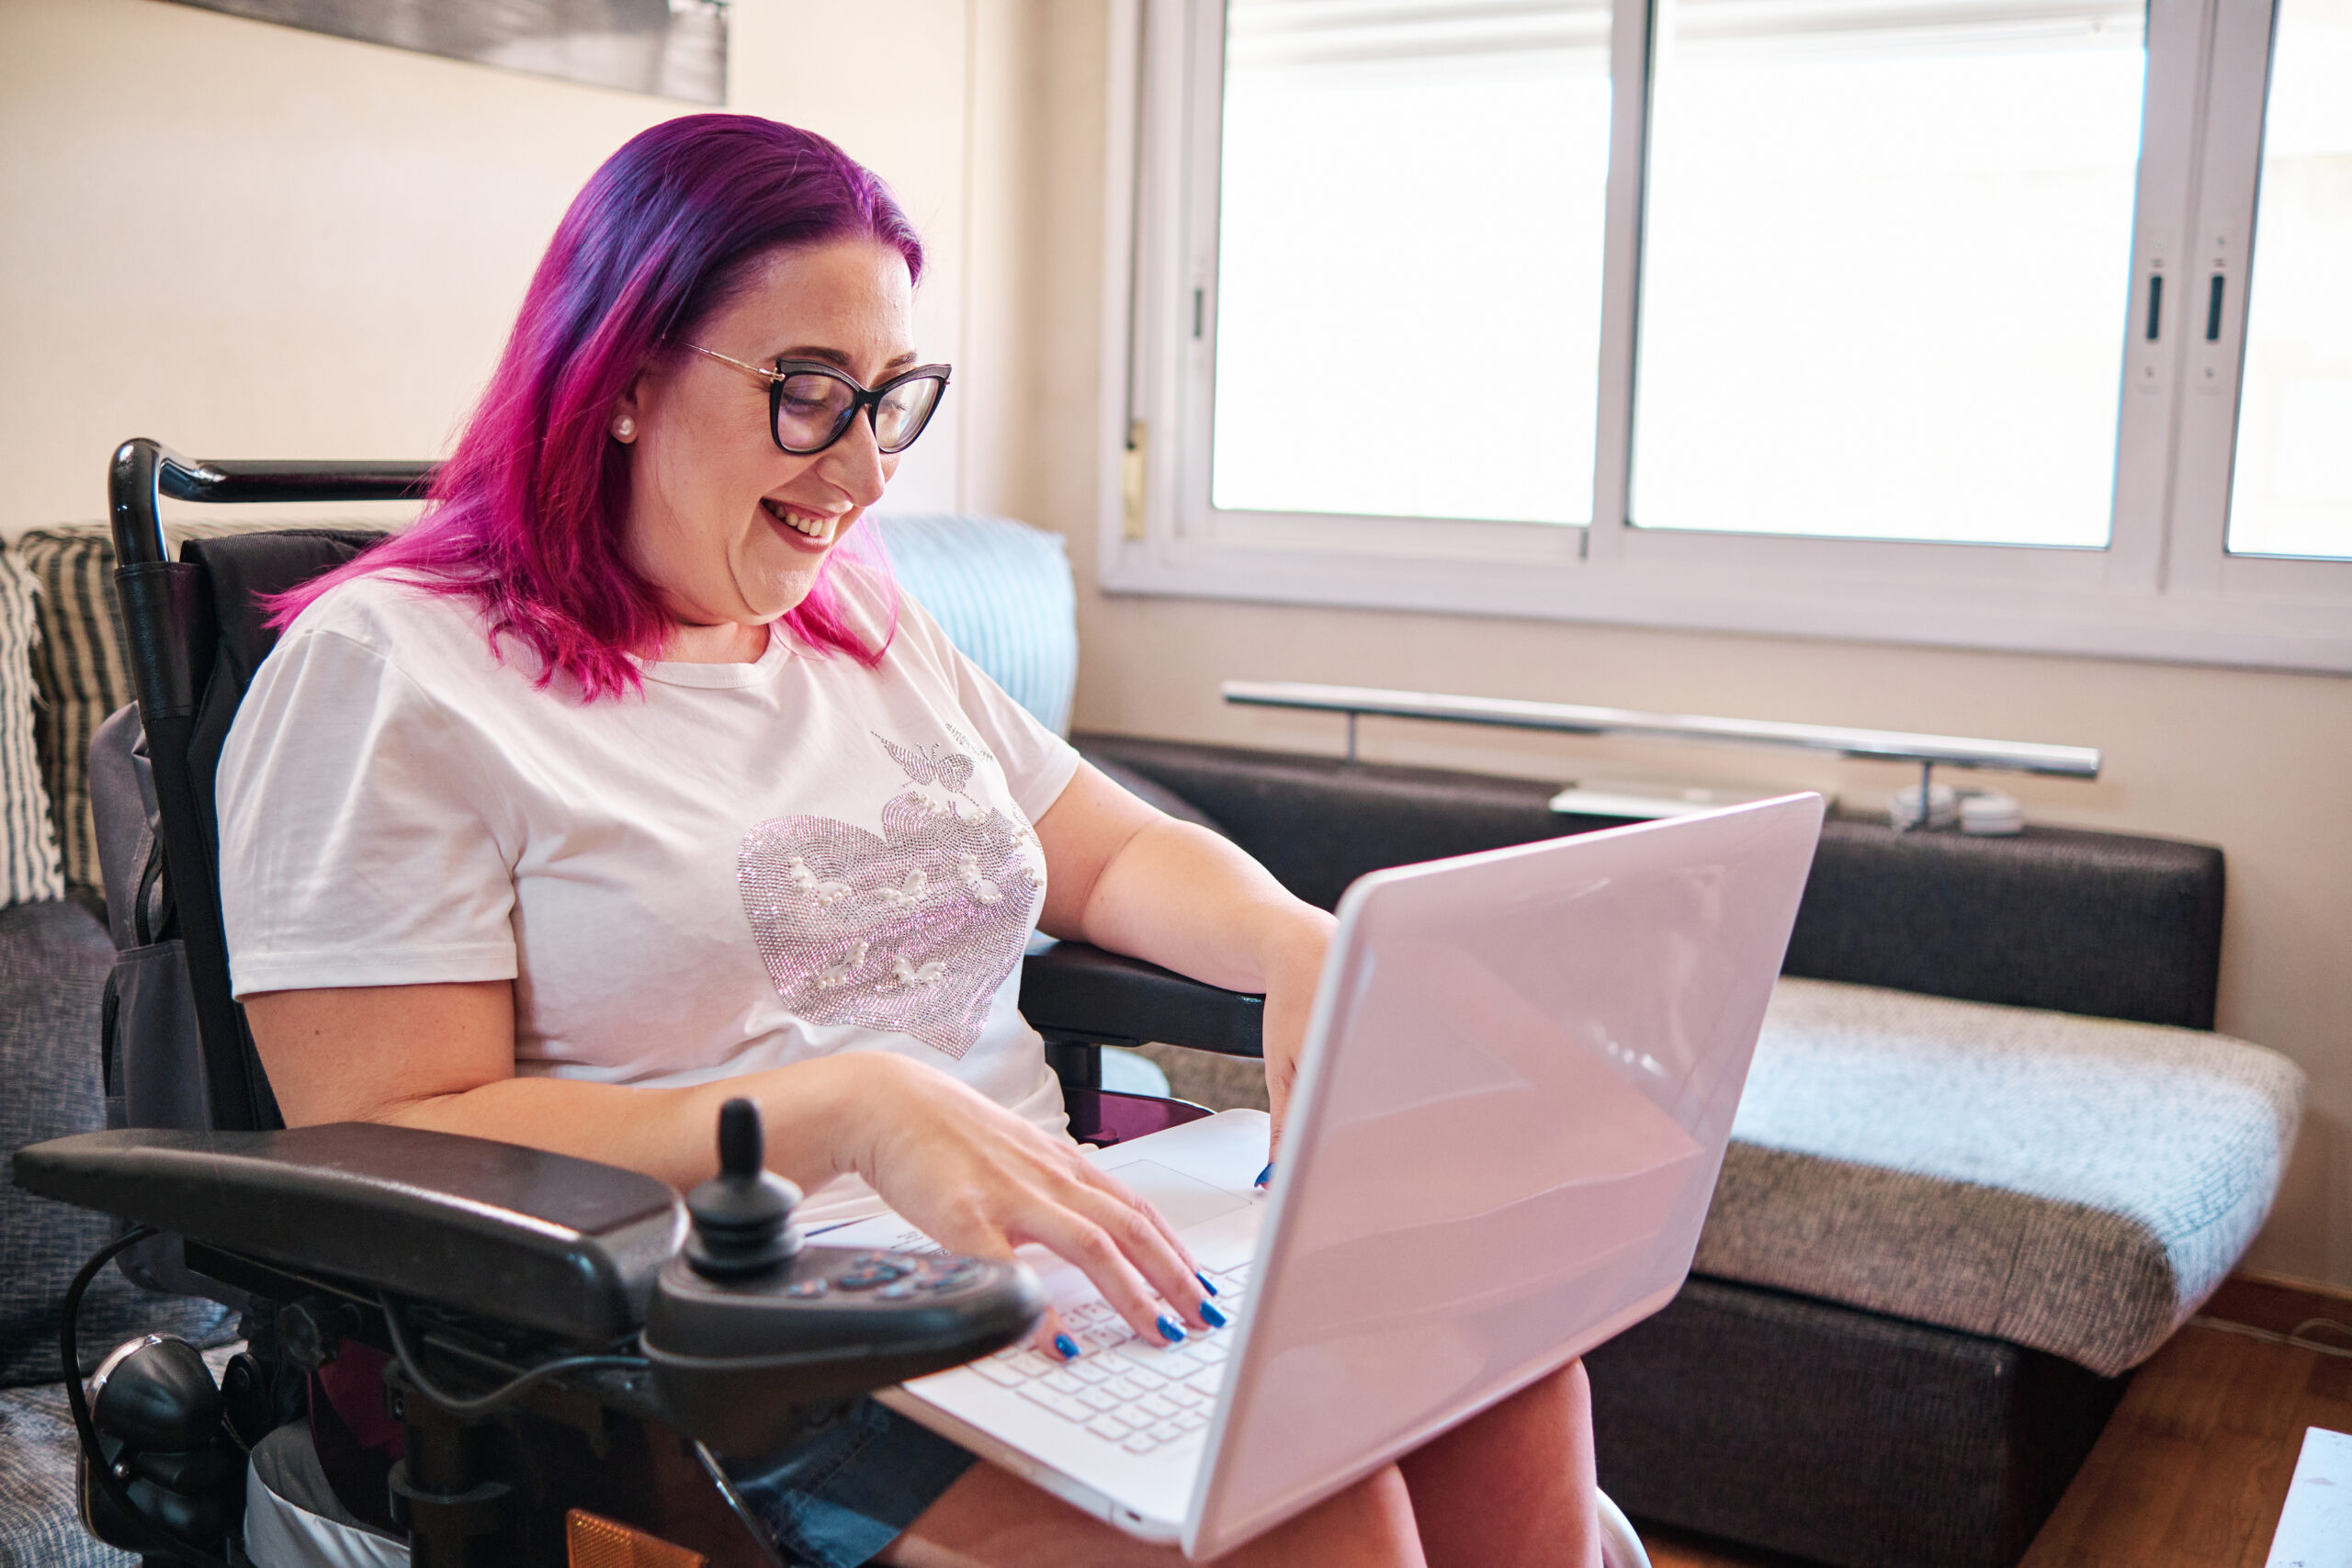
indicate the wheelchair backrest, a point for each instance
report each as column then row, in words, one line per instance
column 178, row 1054
column 197, row 629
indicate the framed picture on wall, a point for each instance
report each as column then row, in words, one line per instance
column 671, row 49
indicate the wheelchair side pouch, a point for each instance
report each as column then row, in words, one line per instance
column 159, row 1084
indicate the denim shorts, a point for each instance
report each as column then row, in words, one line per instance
column 850, row 1486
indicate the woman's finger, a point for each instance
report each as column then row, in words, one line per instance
column 977, row 1239
column 1090, row 1248
column 1143, row 1235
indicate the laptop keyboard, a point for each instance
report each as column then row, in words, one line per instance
column 1133, row 1393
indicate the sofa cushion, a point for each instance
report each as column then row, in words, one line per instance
column 2111, row 924
column 39, row 1524
column 1001, row 592
column 28, row 867
column 2072, row 1184
column 54, row 962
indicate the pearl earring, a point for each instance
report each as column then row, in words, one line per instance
column 624, row 428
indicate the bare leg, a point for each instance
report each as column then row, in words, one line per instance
column 992, row 1520
column 1513, row 1484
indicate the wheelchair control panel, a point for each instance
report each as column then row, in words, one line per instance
column 748, row 1322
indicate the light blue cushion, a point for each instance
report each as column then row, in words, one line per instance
column 1001, row 592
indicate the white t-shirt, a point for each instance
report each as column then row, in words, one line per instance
column 750, row 865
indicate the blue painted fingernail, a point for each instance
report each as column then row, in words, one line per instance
column 1210, row 1315
column 1067, row 1346
column 1170, row 1330
column 1207, row 1283
column 1264, row 1176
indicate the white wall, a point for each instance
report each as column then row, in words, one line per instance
column 248, row 240
column 251, row 241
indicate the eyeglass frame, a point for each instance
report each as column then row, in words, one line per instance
column 867, row 401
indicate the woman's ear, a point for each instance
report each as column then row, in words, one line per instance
column 624, row 423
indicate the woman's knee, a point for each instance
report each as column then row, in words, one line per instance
column 1369, row 1524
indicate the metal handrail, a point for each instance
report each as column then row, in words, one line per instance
column 1571, row 718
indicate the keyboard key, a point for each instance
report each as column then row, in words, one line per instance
column 1153, row 1405
column 1031, row 1365
column 999, row 1372
column 1095, row 1399
column 1115, row 1364
column 1086, row 1369
column 1141, row 1443
column 1145, row 1380
column 1062, row 1383
column 1191, row 1421
column 1208, row 1379
column 1213, row 1350
column 1179, row 1395
column 1166, row 1431
column 1061, row 1405
column 1124, row 1388
column 1109, row 1426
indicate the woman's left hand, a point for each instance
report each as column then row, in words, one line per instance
column 1292, row 971
column 1122, row 876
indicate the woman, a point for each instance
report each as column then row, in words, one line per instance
column 624, row 786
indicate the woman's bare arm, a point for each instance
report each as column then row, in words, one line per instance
column 1125, row 876
column 970, row 1173
column 443, row 1057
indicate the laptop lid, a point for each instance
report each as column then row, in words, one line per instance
column 1519, row 1083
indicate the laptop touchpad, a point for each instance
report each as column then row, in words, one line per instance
column 1182, row 1201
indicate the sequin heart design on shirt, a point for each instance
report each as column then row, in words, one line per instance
column 913, row 931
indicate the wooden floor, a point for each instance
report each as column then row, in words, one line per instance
column 2190, row 1473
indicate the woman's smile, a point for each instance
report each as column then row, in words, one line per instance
column 809, row 530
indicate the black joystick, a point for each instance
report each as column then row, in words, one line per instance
column 742, row 1216
column 747, row 1330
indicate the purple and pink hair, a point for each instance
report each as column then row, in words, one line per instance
column 527, row 516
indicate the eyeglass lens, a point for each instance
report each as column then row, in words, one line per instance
column 813, row 409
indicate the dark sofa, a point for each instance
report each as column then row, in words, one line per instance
column 1796, row 1419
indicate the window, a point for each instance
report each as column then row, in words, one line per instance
column 2292, row 494
column 1368, row 156
column 1860, row 318
column 1839, row 329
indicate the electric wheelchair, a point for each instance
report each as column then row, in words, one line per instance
column 569, row 1352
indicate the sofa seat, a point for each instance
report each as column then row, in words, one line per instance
column 2076, row 1185
column 38, row 1525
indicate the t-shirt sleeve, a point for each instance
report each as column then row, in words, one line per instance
column 355, row 845
column 1038, row 764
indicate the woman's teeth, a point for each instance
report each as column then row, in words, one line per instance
column 801, row 522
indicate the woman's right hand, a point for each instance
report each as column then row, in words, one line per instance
column 980, row 1180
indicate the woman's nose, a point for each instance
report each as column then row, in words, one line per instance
column 855, row 461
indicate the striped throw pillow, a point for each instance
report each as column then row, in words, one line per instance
column 28, row 868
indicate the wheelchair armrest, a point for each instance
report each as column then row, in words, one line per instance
column 1072, row 993
column 543, row 1241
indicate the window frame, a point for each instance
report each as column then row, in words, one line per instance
column 2162, row 588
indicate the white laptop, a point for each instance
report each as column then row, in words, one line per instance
column 1517, row 1084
